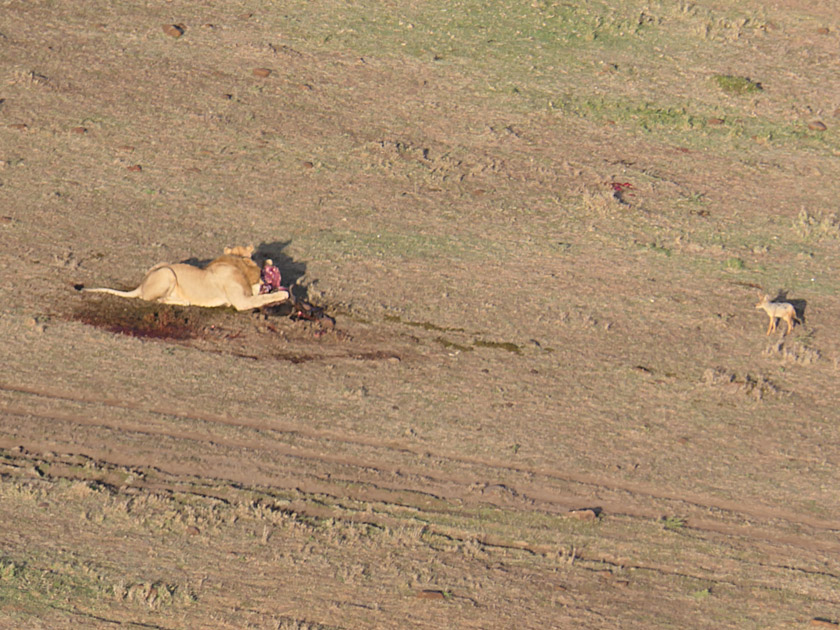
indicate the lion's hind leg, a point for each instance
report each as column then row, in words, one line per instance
column 159, row 285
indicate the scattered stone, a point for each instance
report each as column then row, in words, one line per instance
column 174, row 30
column 261, row 72
column 36, row 324
column 817, row 125
column 134, row 168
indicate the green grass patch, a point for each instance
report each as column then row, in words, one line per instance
column 451, row 345
column 424, row 325
column 735, row 264
column 498, row 345
column 31, row 590
column 736, row 85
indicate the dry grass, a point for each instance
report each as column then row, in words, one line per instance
column 548, row 399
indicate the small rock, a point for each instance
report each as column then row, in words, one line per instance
column 430, row 594
column 134, row 168
column 79, row 130
column 19, row 126
column 308, row 164
column 193, row 531
column 823, row 30
column 174, row 30
column 583, row 515
column 261, row 72
column 817, row 125
column 715, row 121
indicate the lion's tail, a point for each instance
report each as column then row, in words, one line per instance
column 126, row 294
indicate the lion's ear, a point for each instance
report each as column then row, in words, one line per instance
column 228, row 250
column 249, row 250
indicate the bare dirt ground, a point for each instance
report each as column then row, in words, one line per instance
column 548, row 400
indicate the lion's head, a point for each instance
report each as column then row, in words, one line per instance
column 240, row 250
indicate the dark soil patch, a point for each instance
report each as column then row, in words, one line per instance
column 144, row 320
column 288, row 332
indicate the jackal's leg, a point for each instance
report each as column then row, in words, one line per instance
column 789, row 321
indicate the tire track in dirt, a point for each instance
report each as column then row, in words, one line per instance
column 378, row 478
column 301, row 490
column 221, row 489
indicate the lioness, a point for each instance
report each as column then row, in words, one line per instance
column 232, row 279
